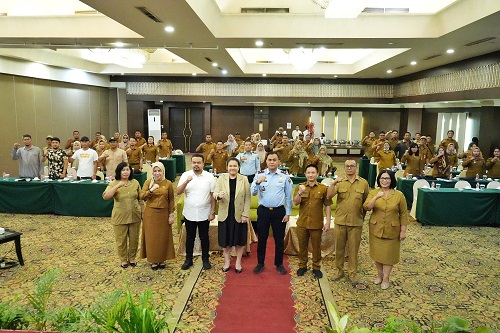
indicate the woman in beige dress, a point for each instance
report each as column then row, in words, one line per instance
column 323, row 162
column 126, row 214
column 232, row 191
column 388, row 224
column 157, row 240
column 297, row 157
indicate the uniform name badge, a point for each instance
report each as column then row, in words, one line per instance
column 280, row 179
column 262, row 188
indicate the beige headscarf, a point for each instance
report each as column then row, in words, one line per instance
column 261, row 153
column 162, row 168
column 326, row 161
column 301, row 153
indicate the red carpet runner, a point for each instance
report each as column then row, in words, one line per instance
column 256, row 302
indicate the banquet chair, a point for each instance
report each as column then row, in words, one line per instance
column 428, row 172
column 493, row 185
column 327, row 181
column 462, row 184
column 100, row 175
column 148, row 170
column 462, row 173
column 418, row 184
column 71, row 172
column 399, row 174
column 46, row 171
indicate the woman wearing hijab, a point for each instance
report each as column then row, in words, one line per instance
column 261, row 152
column 231, row 145
column 298, row 159
column 157, row 239
column 323, row 162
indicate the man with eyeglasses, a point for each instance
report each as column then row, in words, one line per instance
column 351, row 194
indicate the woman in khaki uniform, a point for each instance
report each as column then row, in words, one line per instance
column 452, row 155
column 412, row 161
column 150, row 150
column 387, row 157
column 387, row 225
column 157, row 240
column 493, row 164
column 297, row 157
column 475, row 164
column 442, row 166
column 126, row 214
column 323, row 162
column 232, row 191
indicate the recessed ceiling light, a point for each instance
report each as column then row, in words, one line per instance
column 390, row 43
column 169, row 28
column 224, row 72
column 446, row 102
column 335, row 76
column 194, row 74
column 259, row 43
column 214, row 64
column 413, row 63
column 417, row 103
column 161, row 101
column 264, row 74
column 450, row 51
column 389, row 71
column 119, row 44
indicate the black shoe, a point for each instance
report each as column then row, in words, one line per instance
column 124, row 265
column 225, row 269
column 162, row 266
column 238, row 271
column 133, row 264
column 281, row 269
column 187, row 263
column 206, row 264
column 301, row 271
column 317, row 273
column 154, row 267
column 258, row 269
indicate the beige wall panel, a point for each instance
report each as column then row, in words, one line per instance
column 106, row 125
column 8, row 125
column 43, row 111
column 63, row 124
column 25, row 108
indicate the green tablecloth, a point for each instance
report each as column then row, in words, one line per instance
column 34, row 197
column 372, row 174
column 364, row 167
column 170, row 168
column 301, row 179
column 141, row 177
column 81, row 199
column 406, row 186
column 451, row 207
column 180, row 163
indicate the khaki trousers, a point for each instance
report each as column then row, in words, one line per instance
column 127, row 240
column 351, row 237
column 314, row 235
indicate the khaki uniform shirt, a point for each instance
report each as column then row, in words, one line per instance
column 412, row 164
column 113, row 158
column 218, row 160
column 162, row 197
column 393, row 143
column 447, row 141
column 283, row 153
column 150, row 152
column 474, row 168
column 134, row 156
column 367, row 145
column 140, row 141
column 311, row 206
column 350, row 199
column 493, row 168
column 389, row 214
column 387, row 159
column 165, row 148
column 206, row 148
column 126, row 209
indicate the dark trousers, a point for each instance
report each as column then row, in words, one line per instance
column 191, row 235
column 250, row 178
column 273, row 218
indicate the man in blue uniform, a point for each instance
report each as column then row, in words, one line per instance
column 274, row 189
column 250, row 162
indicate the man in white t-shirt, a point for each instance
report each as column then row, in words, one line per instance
column 87, row 160
column 296, row 132
column 198, row 187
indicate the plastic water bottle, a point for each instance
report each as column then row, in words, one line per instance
column 433, row 186
column 477, row 176
column 477, row 186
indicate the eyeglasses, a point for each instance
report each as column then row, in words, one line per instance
column 350, row 166
column 385, row 178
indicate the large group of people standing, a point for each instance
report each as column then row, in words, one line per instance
column 242, row 168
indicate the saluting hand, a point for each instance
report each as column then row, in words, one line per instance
column 221, row 194
column 302, row 188
column 379, row 195
column 189, row 178
column 261, row 179
column 154, row 187
column 16, row 145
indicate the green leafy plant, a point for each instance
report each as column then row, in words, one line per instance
column 38, row 299
column 341, row 322
column 12, row 317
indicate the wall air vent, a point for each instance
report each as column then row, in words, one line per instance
column 251, row 10
column 378, row 10
column 148, row 13
column 208, row 59
column 326, row 62
column 484, row 40
column 86, row 12
column 432, row 57
column 263, row 62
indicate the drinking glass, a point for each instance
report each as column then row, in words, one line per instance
column 438, row 186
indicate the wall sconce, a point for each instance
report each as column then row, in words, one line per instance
column 261, row 126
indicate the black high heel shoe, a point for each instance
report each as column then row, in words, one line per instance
column 224, row 269
column 238, row 271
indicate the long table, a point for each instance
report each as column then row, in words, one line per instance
column 406, row 186
column 170, row 168
column 64, row 198
column 454, row 207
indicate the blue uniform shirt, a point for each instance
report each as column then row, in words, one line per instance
column 251, row 165
column 275, row 191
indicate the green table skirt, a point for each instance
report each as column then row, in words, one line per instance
column 372, row 174
column 180, row 163
column 364, row 167
column 33, row 197
column 170, row 168
column 81, row 199
column 451, row 207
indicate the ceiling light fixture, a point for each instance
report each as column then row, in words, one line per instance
column 194, row 74
column 119, row 44
column 214, row 64
column 224, row 71
column 450, row 51
column 389, row 71
column 413, row 63
column 259, row 43
column 303, row 58
column 169, row 29
column 264, row 74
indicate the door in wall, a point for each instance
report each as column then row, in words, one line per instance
column 186, row 128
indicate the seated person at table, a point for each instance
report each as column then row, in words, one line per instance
column 387, row 157
column 218, row 157
column 312, row 198
column 412, row 161
column 150, row 151
column 442, row 167
column 493, row 164
column 297, row 157
column 475, row 164
column 323, row 162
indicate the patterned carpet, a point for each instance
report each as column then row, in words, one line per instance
column 444, row 271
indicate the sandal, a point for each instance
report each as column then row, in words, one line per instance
column 124, row 265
